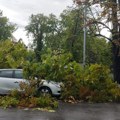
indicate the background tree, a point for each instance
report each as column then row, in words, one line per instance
column 53, row 36
column 72, row 28
column 98, row 51
column 65, row 35
column 40, row 28
column 6, row 28
column 72, row 32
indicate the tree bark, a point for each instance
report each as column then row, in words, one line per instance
column 39, row 46
column 116, row 63
column 116, row 42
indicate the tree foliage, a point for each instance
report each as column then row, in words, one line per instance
column 72, row 32
column 65, row 34
column 96, row 48
column 12, row 55
column 6, row 28
column 41, row 27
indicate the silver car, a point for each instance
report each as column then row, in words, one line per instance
column 10, row 79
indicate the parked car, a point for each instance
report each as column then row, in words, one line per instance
column 11, row 78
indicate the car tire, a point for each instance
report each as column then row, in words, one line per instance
column 45, row 91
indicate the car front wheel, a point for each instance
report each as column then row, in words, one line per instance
column 45, row 91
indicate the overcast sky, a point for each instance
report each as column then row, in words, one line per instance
column 18, row 11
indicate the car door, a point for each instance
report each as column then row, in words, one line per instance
column 6, row 80
column 9, row 81
column 18, row 78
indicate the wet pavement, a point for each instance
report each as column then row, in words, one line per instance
column 81, row 111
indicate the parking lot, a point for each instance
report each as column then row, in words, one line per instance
column 81, row 111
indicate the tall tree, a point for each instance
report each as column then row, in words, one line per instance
column 108, row 14
column 6, row 28
column 39, row 28
column 71, row 25
column 36, row 28
column 53, row 36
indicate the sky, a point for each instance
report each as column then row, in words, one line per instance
column 19, row 11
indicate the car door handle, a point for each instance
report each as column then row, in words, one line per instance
column 16, row 82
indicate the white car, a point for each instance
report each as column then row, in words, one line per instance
column 10, row 79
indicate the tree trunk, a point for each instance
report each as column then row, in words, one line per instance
column 116, row 63
column 116, row 42
column 39, row 46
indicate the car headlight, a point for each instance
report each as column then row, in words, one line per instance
column 61, row 84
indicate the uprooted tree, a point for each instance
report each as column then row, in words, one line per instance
column 107, row 16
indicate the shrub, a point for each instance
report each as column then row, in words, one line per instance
column 27, row 98
column 8, row 101
column 42, row 102
column 100, row 85
column 71, row 87
column 93, row 84
column 47, row 101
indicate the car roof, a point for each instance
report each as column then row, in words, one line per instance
column 10, row 69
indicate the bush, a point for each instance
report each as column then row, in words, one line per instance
column 8, row 101
column 100, row 85
column 93, row 84
column 30, row 102
column 47, row 101
column 27, row 98
column 71, row 87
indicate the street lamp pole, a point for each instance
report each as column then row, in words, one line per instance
column 84, row 29
column 84, row 39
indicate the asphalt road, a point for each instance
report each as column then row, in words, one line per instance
column 66, row 112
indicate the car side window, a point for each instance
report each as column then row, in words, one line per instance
column 18, row 74
column 6, row 73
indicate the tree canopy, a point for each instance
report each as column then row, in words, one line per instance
column 13, row 54
column 6, row 28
